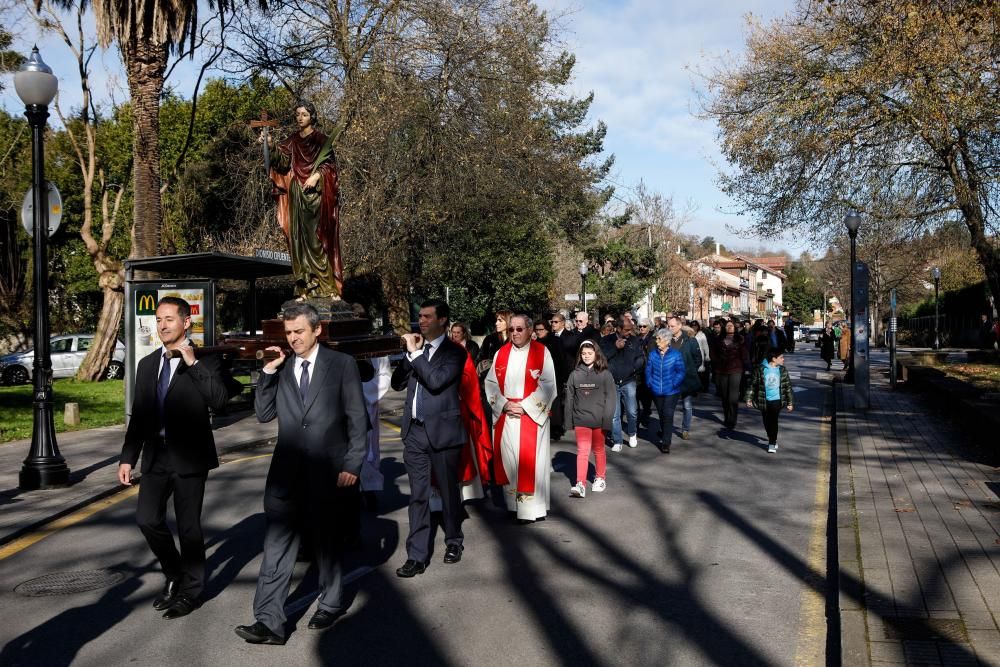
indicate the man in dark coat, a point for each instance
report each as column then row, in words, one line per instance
column 543, row 334
column 171, row 426
column 433, row 434
column 322, row 440
column 626, row 362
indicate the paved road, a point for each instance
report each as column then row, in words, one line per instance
column 710, row 555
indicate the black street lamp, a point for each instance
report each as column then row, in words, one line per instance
column 936, row 272
column 583, row 285
column 852, row 221
column 44, row 467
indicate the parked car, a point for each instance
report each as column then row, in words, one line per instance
column 812, row 334
column 67, row 352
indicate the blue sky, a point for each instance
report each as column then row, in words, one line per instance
column 637, row 56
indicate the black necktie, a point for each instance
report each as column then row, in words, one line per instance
column 417, row 399
column 162, row 384
column 304, row 381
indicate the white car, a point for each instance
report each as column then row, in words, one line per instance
column 812, row 334
column 67, row 352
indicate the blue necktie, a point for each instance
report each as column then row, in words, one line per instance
column 162, row 384
column 304, row 381
column 417, row 397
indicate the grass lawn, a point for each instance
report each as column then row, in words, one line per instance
column 985, row 377
column 101, row 404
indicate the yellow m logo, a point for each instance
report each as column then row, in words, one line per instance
column 145, row 303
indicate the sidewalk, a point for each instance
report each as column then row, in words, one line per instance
column 918, row 530
column 92, row 456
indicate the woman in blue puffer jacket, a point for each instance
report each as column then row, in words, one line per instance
column 664, row 377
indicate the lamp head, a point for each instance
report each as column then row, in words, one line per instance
column 583, row 268
column 852, row 221
column 34, row 81
column 936, row 272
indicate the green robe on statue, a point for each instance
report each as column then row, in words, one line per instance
column 310, row 218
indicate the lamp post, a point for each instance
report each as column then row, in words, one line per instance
column 852, row 221
column 583, row 285
column 44, row 467
column 936, row 272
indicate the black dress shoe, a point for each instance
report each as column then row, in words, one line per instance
column 182, row 606
column 323, row 619
column 453, row 553
column 411, row 568
column 258, row 633
column 166, row 597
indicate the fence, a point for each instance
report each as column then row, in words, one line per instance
column 956, row 330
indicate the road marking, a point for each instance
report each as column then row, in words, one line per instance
column 811, row 645
column 391, row 426
column 82, row 514
column 22, row 543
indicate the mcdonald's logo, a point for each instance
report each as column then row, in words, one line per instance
column 145, row 303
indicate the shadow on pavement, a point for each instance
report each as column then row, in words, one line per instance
column 850, row 585
column 58, row 640
column 238, row 545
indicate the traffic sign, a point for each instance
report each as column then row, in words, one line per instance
column 55, row 209
column 576, row 297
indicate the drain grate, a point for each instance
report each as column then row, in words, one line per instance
column 67, row 583
column 952, row 629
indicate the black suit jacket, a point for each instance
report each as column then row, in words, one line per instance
column 188, row 428
column 439, row 378
column 317, row 438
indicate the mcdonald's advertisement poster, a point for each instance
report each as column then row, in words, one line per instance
column 146, row 337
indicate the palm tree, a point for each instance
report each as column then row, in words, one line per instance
column 146, row 31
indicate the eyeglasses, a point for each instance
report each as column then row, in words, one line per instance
column 643, row 326
column 539, row 329
column 579, row 321
column 555, row 321
column 518, row 329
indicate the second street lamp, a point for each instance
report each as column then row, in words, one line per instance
column 936, row 273
column 44, row 467
column 852, row 221
column 583, row 285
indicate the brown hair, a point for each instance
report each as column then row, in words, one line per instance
column 506, row 315
column 600, row 363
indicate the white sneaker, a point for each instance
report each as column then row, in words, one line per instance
column 599, row 485
column 633, row 441
column 617, row 447
column 772, row 448
column 578, row 490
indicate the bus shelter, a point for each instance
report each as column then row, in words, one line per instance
column 192, row 277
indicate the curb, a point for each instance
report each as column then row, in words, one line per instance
column 849, row 576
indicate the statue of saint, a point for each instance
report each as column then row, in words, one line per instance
column 304, row 172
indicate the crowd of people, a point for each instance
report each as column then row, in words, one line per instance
column 474, row 416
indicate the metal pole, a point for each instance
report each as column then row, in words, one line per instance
column 937, row 326
column 583, row 290
column 849, row 375
column 892, row 337
column 44, row 467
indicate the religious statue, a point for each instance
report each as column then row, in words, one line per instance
column 304, row 173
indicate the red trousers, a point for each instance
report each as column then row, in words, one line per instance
column 587, row 438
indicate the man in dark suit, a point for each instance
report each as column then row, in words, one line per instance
column 433, row 434
column 322, row 438
column 568, row 339
column 171, row 427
